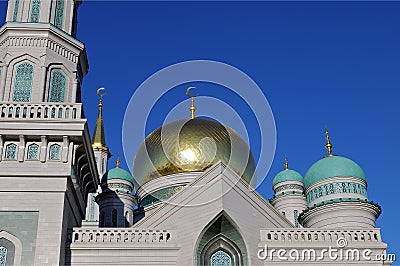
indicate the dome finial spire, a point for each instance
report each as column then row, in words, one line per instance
column 118, row 162
column 286, row 163
column 192, row 108
column 99, row 140
column 328, row 144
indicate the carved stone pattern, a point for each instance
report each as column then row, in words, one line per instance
column 289, row 186
column 15, row 15
column 220, row 258
column 40, row 42
column 57, row 86
column 11, row 151
column 116, row 186
column 23, row 83
column 58, row 19
column 55, row 152
column 35, row 11
column 3, row 256
column 33, row 152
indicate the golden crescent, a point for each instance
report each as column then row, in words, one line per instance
column 99, row 90
column 188, row 92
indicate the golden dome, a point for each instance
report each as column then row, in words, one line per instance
column 191, row 146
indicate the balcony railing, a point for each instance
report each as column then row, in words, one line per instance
column 120, row 235
column 318, row 235
column 38, row 111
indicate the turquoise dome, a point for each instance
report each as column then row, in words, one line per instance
column 118, row 173
column 287, row 175
column 332, row 166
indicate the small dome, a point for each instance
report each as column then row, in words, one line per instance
column 287, row 175
column 118, row 173
column 191, row 146
column 332, row 166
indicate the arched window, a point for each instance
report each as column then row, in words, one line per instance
column 35, row 11
column 3, row 256
column 55, row 152
column 23, row 82
column 57, row 86
column 15, row 15
column 11, row 151
column 114, row 218
column 220, row 258
column 59, row 16
column 33, row 152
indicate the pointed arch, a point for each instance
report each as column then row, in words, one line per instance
column 221, row 241
column 17, row 246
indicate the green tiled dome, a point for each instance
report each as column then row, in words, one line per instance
column 287, row 175
column 332, row 166
column 118, row 173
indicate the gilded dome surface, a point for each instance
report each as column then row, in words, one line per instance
column 191, row 146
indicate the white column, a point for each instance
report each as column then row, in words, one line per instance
column 64, row 154
column 21, row 150
column 43, row 149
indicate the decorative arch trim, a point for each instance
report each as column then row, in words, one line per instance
column 17, row 244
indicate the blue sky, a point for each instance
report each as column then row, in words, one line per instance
column 319, row 64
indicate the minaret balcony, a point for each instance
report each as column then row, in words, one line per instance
column 41, row 111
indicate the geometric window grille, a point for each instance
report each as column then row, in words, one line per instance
column 23, row 83
column 11, row 151
column 58, row 19
column 15, row 16
column 296, row 216
column 57, row 86
column 220, row 258
column 35, row 11
column 33, row 152
column 55, row 152
column 3, row 256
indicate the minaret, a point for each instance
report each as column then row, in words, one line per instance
column 116, row 202
column 289, row 198
column 44, row 139
column 101, row 154
column 336, row 192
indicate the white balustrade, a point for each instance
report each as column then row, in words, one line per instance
column 14, row 110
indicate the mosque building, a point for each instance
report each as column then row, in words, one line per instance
column 189, row 199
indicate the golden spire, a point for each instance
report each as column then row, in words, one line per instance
column 98, row 139
column 192, row 108
column 328, row 145
column 118, row 162
column 286, row 163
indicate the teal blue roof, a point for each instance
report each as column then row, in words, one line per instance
column 332, row 166
column 287, row 175
column 119, row 173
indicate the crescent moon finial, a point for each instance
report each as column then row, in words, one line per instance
column 99, row 90
column 188, row 92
